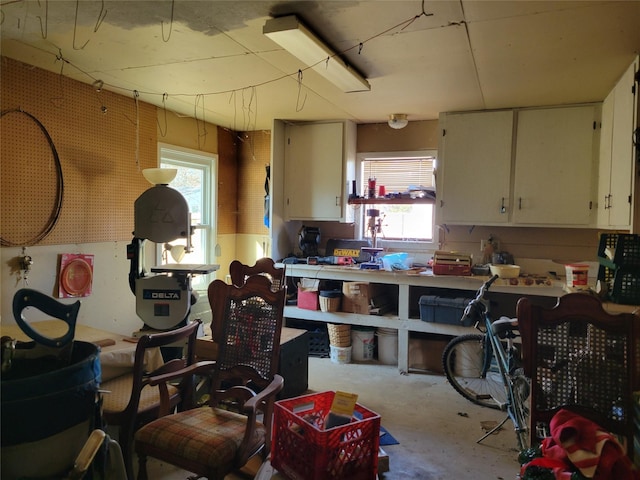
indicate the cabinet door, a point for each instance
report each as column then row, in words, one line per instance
column 474, row 168
column 553, row 166
column 604, row 166
column 624, row 116
column 313, row 172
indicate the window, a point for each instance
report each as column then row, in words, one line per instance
column 401, row 224
column 195, row 181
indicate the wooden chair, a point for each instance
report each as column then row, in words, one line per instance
column 216, row 439
column 131, row 401
column 239, row 272
column 581, row 358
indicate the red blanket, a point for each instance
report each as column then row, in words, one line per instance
column 578, row 443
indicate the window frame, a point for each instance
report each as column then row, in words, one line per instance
column 397, row 245
column 190, row 158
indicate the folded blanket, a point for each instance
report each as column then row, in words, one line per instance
column 578, row 443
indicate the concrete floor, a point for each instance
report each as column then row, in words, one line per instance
column 437, row 428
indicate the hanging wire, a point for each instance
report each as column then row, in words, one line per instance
column 299, row 103
column 75, row 28
column 101, row 15
column 165, row 95
column 173, row 3
column 44, row 28
column 136, row 95
column 62, row 61
column 299, row 106
column 200, row 98
column 232, row 98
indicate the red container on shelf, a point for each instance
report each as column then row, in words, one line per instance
column 303, row 450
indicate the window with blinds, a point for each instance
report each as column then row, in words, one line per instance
column 412, row 222
column 397, row 175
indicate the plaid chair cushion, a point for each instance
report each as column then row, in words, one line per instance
column 204, row 435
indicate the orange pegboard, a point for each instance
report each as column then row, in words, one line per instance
column 101, row 156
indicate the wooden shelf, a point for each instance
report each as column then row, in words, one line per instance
column 389, row 201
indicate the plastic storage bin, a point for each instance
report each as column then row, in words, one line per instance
column 302, row 450
column 620, row 275
column 434, row 308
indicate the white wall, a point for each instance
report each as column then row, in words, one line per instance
column 111, row 305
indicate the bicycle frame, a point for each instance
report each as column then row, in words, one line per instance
column 497, row 357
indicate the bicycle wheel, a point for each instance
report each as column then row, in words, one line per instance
column 520, row 408
column 462, row 360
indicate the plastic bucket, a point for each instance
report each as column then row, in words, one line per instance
column 45, row 406
column 340, row 354
column 387, row 346
column 577, row 275
column 362, row 341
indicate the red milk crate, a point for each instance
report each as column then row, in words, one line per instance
column 304, row 451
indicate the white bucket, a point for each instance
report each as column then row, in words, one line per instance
column 340, row 354
column 387, row 346
column 362, row 342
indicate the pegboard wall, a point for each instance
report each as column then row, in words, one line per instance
column 101, row 155
column 254, row 156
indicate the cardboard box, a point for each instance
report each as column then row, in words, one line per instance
column 356, row 297
column 426, row 354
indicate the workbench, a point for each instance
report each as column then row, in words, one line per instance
column 406, row 287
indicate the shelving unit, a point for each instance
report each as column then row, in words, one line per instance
column 407, row 288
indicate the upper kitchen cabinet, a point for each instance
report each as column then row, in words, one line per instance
column 474, row 167
column 555, row 164
column 319, row 159
column 616, row 171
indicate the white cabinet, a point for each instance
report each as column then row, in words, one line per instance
column 555, row 158
column 519, row 167
column 474, row 167
column 616, row 177
column 316, row 164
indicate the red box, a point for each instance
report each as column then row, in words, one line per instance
column 308, row 299
column 304, row 451
column 445, row 269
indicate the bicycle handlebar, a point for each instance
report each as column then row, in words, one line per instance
column 478, row 303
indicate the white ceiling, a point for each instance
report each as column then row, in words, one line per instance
column 213, row 61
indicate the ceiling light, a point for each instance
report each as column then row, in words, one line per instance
column 398, row 120
column 302, row 43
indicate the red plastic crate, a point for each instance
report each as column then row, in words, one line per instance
column 304, row 451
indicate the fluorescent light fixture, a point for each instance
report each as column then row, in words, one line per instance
column 302, row 43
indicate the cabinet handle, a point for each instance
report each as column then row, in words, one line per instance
column 503, row 209
column 337, row 201
column 520, row 203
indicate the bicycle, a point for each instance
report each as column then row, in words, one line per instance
column 485, row 368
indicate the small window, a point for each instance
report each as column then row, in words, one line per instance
column 195, row 181
column 403, row 175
